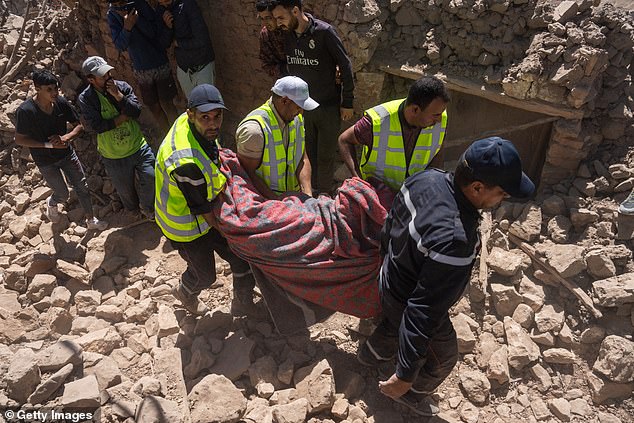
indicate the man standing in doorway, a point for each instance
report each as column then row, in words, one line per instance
column 429, row 244
column 313, row 52
column 400, row 137
column 110, row 108
column 183, row 23
column 270, row 140
column 134, row 27
column 188, row 179
column 42, row 125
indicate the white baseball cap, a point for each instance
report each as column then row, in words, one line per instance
column 296, row 89
column 96, row 66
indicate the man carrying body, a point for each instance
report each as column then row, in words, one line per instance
column 110, row 108
column 182, row 22
column 188, row 179
column 400, row 137
column 313, row 51
column 42, row 125
column 134, row 28
column 272, row 54
column 270, row 140
column 430, row 242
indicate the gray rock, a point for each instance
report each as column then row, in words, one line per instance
column 521, row 348
column 568, row 260
column 487, row 345
column 599, row 265
column 294, row 412
column 603, row 391
column 60, row 297
column 466, row 338
column 528, row 225
column 559, row 356
column 216, row 399
column 361, row 11
column 506, row 263
column 615, row 360
column 87, row 302
column 550, row 318
column 102, row 341
column 109, row 313
column 580, row 407
column 59, row 355
column 235, row 357
column 532, row 293
column 47, row 388
column 560, row 407
column 283, row 396
column 74, row 271
column 582, row 217
column 141, row 311
column 476, row 385
column 505, row 298
column 558, row 229
column 553, row 206
column 524, row 315
column 82, row 393
column 168, row 325
column 607, row 418
column 539, row 408
column 317, row 384
column 540, row 374
column 340, row 408
column 148, row 386
column 106, row 371
column 23, row 375
column 41, row 286
column 154, row 409
column 614, row 291
column 498, row 368
column 201, row 358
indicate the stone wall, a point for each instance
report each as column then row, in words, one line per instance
column 572, row 56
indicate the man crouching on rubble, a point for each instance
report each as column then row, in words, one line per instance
column 429, row 243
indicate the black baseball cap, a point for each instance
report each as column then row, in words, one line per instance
column 496, row 162
column 205, row 98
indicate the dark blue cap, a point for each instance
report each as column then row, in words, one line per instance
column 496, row 161
column 205, row 98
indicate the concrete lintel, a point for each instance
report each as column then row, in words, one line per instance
column 496, row 95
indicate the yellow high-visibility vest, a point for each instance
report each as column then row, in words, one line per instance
column 386, row 161
column 173, row 216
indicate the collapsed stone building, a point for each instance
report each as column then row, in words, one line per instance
column 553, row 76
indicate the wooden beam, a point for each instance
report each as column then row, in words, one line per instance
column 464, row 142
column 464, row 85
column 479, row 289
column 543, row 265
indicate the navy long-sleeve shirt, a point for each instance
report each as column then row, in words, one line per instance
column 314, row 56
column 430, row 241
column 142, row 42
column 91, row 107
column 190, row 31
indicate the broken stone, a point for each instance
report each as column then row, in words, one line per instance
column 317, row 384
column 106, row 371
column 147, row 386
column 216, row 399
column 466, row 338
column 560, row 407
column 599, row 265
column 614, row 291
column 235, row 357
column 87, row 302
column 59, row 355
column 603, row 391
column 524, row 315
column 41, row 286
column 82, row 394
column 141, row 311
column 216, row 319
column 294, row 412
column 498, row 368
column 109, row 313
column 506, row 263
column 558, row 229
column 550, row 318
column 505, row 298
column 521, row 348
column 592, row 335
column 568, row 259
column 102, row 341
column 559, row 356
column 168, row 325
column 153, row 409
column 48, row 387
column 23, row 375
column 543, row 378
column 60, row 297
column 74, row 271
column 540, row 409
column 582, row 217
column 615, row 359
column 528, row 226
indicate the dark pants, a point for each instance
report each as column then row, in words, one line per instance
column 442, row 351
column 201, row 265
column 322, row 127
column 72, row 169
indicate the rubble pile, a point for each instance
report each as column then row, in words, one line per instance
column 88, row 320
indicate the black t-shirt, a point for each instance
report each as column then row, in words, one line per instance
column 35, row 123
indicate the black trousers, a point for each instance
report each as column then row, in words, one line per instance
column 201, row 264
column 442, row 352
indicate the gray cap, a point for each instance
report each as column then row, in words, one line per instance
column 96, row 66
column 295, row 89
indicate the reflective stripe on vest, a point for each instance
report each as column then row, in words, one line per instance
column 387, row 161
column 172, row 213
column 279, row 163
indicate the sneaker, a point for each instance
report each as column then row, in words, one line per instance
column 368, row 356
column 627, row 206
column 52, row 213
column 95, row 224
column 244, row 305
column 191, row 302
column 423, row 405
